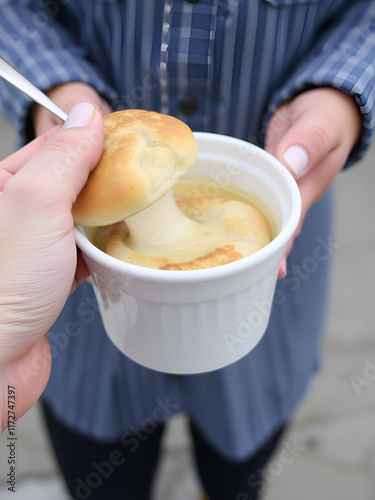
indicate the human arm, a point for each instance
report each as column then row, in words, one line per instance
column 326, row 105
column 37, row 248
column 48, row 54
column 313, row 135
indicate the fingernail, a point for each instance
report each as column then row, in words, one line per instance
column 283, row 268
column 80, row 116
column 296, row 158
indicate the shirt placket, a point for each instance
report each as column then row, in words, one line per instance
column 186, row 60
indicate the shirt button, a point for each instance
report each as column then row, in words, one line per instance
column 187, row 105
column 192, row 1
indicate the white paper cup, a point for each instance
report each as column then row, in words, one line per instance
column 186, row 322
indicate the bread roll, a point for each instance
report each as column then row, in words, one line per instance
column 143, row 157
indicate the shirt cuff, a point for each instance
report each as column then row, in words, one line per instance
column 45, row 70
column 344, row 59
column 363, row 99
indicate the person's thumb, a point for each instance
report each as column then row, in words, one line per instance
column 59, row 169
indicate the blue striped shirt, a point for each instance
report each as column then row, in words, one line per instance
column 221, row 66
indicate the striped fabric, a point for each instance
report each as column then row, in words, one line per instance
column 221, row 66
column 150, row 55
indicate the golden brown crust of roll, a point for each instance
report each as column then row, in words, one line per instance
column 144, row 155
column 219, row 256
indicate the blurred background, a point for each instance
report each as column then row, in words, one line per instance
column 329, row 449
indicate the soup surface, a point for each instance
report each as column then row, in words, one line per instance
column 201, row 224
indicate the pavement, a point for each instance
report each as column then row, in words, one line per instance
column 333, row 432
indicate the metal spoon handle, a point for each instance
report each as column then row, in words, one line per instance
column 21, row 83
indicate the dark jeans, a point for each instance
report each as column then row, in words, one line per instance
column 125, row 469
